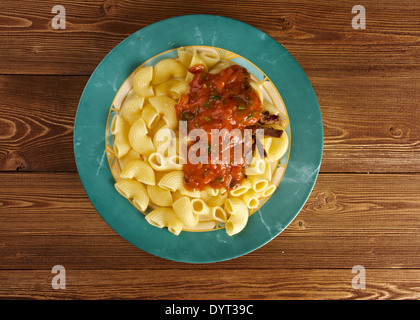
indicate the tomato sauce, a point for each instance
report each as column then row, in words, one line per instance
column 218, row 101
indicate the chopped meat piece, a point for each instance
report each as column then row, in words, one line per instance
column 267, row 118
column 249, row 152
column 271, row 132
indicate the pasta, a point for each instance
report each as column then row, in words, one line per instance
column 218, row 214
column 150, row 151
column 216, row 200
column 172, row 181
column 251, row 199
column 159, row 196
column 269, row 189
column 134, row 190
column 163, row 140
column 141, row 82
column 267, row 106
column 120, row 129
column 257, row 166
column 131, row 155
column 184, row 211
column 132, row 109
column 199, row 207
column 243, row 188
column 150, row 116
column 210, row 58
column 196, row 59
column 165, row 107
column 158, row 162
column 138, row 138
column 167, row 68
column 276, row 147
column 165, row 217
column 258, row 88
column 258, row 183
column 140, row 171
column 238, row 218
column 220, row 66
column 172, row 88
column 185, row 55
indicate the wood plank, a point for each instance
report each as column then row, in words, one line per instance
column 320, row 36
column 369, row 123
column 199, row 284
column 368, row 86
column 36, row 127
column 372, row 220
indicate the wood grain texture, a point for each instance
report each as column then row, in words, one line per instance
column 370, row 125
column 319, row 35
column 348, row 220
column 242, row 284
column 364, row 209
column 36, row 127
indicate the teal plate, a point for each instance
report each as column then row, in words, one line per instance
column 306, row 133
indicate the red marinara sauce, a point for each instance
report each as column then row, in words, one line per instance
column 218, row 101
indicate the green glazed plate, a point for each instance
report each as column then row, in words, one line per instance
column 304, row 128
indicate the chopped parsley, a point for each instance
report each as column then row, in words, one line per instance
column 187, row 115
column 252, row 114
column 219, row 179
column 215, row 97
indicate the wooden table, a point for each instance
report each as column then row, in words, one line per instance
column 364, row 209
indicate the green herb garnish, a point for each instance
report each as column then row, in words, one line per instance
column 251, row 114
column 220, row 179
column 214, row 97
column 187, row 115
